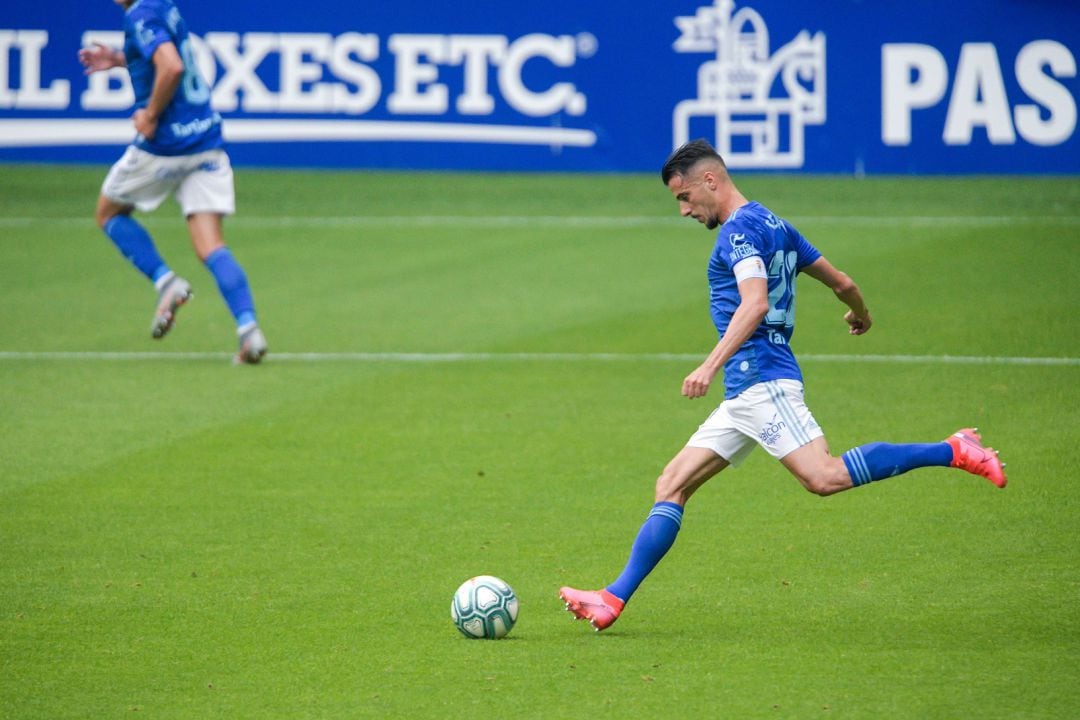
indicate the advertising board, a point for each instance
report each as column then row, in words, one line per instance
column 833, row 86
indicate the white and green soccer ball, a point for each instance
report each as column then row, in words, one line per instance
column 484, row 607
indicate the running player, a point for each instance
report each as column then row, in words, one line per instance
column 178, row 150
column 752, row 299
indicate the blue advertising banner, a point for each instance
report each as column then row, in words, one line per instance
column 836, row 86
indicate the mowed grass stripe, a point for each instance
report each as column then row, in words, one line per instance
column 569, row 221
column 435, row 357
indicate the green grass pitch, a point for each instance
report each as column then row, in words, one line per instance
column 479, row 374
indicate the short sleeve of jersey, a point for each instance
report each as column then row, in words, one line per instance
column 807, row 253
column 740, row 241
column 149, row 31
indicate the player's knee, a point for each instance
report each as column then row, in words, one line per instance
column 818, row 486
column 104, row 212
column 671, row 488
column 822, row 475
column 823, row 483
column 665, row 491
column 103, row 216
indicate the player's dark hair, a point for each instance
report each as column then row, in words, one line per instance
column 687, row 156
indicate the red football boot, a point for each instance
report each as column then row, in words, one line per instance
column 969, row 454
column 599, row 607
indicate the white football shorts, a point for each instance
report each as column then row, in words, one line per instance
column 201, row 182
column 770, row 414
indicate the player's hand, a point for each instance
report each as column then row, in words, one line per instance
column 98, row 57
column 857, row 324
column 145, row 123
column 697, row 383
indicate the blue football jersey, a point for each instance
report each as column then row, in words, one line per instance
column 188, row 125
column 753, row 231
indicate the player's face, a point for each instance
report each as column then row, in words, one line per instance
column 695, row 199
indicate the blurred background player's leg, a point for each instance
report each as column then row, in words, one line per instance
column 207, row 237
column 206, row 196
column 135, row 244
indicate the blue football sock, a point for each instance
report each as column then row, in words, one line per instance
column 875, row 461
column 233, row 285
column 132, row 240
column 655, row 538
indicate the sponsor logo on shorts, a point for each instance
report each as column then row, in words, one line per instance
column 166, row 174
column 772, row 432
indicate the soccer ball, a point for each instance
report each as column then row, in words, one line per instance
column 484, row 607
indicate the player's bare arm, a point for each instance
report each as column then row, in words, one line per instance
column 99, row 57
column 168, row 70
column 753, row 305
column 858, row 316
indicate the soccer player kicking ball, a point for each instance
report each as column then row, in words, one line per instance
column 752, row 300
column 178, row 150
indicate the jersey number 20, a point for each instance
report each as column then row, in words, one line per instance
column 782, row 289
